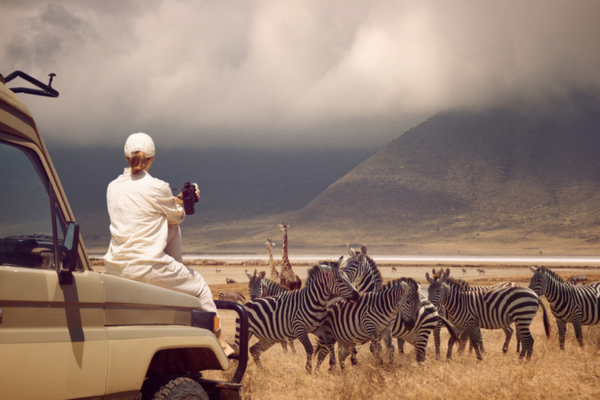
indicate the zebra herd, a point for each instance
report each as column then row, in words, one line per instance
column 346, row 303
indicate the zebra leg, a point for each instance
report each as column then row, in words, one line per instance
column 321, row 351
column 474, row 336
column 284, row 346
column 421, row 345
column 400, row 346
column 344, row 351
column 258, row 348
column 518, row 334
column 354, row 356
column 578, row 331
column 389, row 344
column 308, row 347
column 527, row 339
column 464, row 338
column 291, row 343
column 508, row 333
column 562, row 331
column 480, row 338
column 436, row 339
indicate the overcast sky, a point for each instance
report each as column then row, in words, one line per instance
column 281, row 73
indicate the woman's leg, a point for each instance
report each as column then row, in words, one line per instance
column 174, row 246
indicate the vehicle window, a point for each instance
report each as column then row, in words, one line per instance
column 26, row 238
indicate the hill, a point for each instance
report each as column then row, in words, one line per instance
column 524, row 177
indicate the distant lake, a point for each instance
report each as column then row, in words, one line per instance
column 587, row 260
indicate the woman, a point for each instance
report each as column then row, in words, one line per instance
column 144, row 225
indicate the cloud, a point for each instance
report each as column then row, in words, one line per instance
column 274, row 73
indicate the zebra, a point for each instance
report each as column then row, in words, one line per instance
column 259, row 287
column 464, row 334
column 297, row 313
column 428, row 320
column 491, row 309
column 575, row 279
column 232, row 296
column 353, row 323
column 577, row 305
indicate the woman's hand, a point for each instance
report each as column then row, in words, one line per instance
column 179, row 200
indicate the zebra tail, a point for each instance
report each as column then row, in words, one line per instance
column 452, row 330
column 546, row 321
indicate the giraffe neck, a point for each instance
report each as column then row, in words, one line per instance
column 284, row 251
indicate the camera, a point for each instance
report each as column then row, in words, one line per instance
column 188, row 195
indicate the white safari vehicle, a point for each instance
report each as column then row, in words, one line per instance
column 68, row 332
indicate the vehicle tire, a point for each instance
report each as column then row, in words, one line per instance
column 181, row 388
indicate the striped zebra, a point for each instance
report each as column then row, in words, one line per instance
column 575, row 279
column 464, row 335
column 295, row 314
column 428, row 320
column 491, row 309
column 353, row 323
column 259, row 287
column 232, row 296
column 577, row 305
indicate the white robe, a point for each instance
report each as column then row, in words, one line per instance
column 141, row 208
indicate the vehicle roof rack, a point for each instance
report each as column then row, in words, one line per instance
column 46, row 90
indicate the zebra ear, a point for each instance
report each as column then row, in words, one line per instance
column 363, row 249
column 351, row 251
column 442, row 278
column 533, row 269
column 261, row 274
column 447, row 272
column 428, row 277
column 249, row 275
column 326, row 267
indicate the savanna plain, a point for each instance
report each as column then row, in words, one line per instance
column 550, row 374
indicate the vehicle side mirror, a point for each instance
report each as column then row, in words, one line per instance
column 71, row 247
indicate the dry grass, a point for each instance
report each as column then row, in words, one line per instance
column 551, row 374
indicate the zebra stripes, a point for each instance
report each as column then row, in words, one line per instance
column 353, row 323
column 577, row 305
column 297, row 313
column 464, row 335
column 491, row 309
column 232, row 296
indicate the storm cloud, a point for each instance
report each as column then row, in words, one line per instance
column 273, row 73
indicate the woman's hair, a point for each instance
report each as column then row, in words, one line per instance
column 137, row 162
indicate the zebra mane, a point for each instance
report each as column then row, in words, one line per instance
column 316, row 270
column 553, row 274
column 396, row 282
column 457, row 284
column 272, row 284
column 438, row 273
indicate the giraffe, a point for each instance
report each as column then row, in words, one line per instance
column 288, row 278
column 274, row 274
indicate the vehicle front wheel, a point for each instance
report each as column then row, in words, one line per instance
column 181, row 388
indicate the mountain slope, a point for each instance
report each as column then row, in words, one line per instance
column 524, row 170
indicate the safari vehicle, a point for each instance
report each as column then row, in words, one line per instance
column 67, row 331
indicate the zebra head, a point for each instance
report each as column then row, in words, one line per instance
column 436, row 286
column 537, row 283
column 342, row 286
column 410, row 303
column 363, row 271
column 255, row 284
